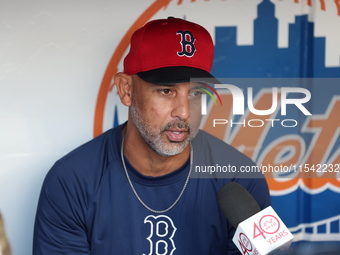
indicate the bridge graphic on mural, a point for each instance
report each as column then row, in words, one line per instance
column 324, row 230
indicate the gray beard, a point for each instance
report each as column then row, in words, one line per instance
column 155, row 141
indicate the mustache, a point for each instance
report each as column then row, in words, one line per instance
column 180, row 124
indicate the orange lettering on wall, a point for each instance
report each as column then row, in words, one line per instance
column 270, row 160
column 323, row 5
column 337, row 3
column 325, row 132
column 248, row 137
column 323, row 174
column 319, row 169
column 334, row 166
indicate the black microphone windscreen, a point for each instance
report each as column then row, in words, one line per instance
column 236, row 203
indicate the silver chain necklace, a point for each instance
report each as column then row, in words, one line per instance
column 135, row 192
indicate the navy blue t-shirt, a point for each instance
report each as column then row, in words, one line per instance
column 87, row 206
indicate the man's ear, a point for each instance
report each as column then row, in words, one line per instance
column 124, row 82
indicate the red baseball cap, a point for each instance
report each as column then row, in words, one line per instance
column 170, row 50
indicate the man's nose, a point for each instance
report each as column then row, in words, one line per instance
column 181, row 107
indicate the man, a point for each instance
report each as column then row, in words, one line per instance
column 129, row 190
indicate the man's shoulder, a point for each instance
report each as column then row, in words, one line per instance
column 89, row 159
column 76, row 177
column 90, row 150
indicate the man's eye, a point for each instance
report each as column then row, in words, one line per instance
column 166, row 91
column 197, row 93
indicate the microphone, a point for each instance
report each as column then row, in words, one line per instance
column 258, row 232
